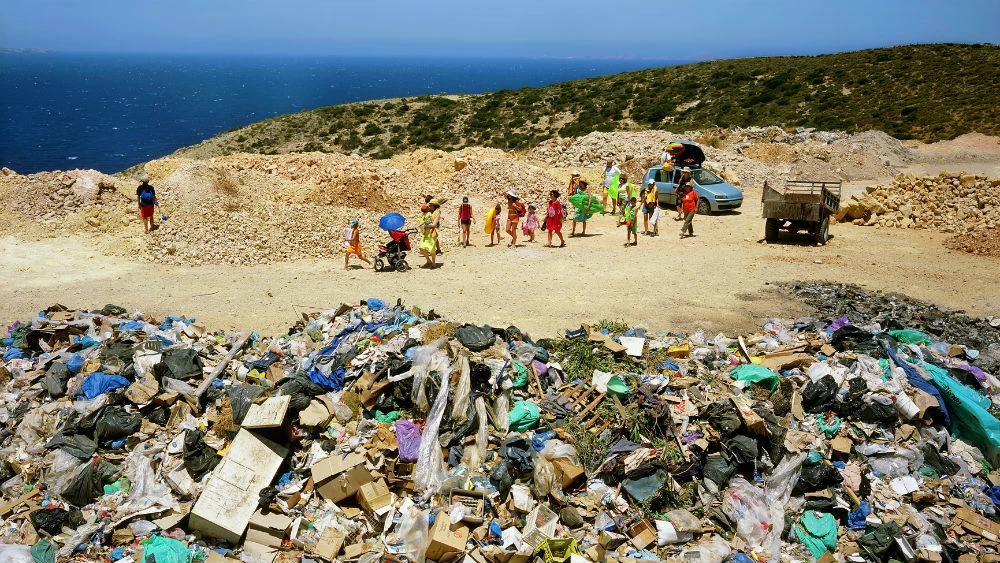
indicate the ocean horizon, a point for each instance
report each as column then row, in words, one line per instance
column 61, row 111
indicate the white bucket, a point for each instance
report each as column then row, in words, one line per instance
column 906, row 406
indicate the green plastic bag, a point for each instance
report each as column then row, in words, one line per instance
column 522, row 375
column 753, row 373
column 970, row 413
column 165, row 550
column 909, row 336
column 388, row 417
column 618, row 387
column 818, row 532
column 43, row 552
column 524, row 416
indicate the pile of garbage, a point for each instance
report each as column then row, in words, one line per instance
column 950, row 203
column 377, row 431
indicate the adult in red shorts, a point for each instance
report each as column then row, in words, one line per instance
column 146, row 196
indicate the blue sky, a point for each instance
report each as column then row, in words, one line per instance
column 520, row 28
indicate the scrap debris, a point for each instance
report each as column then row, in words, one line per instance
column 374, row 432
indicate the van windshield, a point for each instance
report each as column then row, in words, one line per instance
column 705, row 178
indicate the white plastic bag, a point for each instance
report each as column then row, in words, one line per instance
column 413, row 533
column 460, row 404
column 430, row 462
column 10, row 553
column 667, row 534
column 555, row 449
column 147, row 491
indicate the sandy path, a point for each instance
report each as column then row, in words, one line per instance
column 717, row 280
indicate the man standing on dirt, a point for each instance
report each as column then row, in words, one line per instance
column 146, row 196
column 689, row 202
column 610, row 171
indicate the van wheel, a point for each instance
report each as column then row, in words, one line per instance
column 704, row 208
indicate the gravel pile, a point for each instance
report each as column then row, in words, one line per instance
column 983, row 243
column 51, row 195
column 487, row 180
column 949, row 203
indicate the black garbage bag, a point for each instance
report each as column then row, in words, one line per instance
column 301, row 389
column 816, row 478
column 267, row 496
column 50, row 520
column 719, row 469
column 481, row 377
column 934, row 459
column 874, row 412
column 241, row 397
column 199, row 457
column 159, row 414
column 502, row 477
column 519, row 453
column 55, row 379
column 688, row 471
column 818, row 396
column 85, row 486
column 743, row 447
column 117, row 351
column 85, row 425
column 179, row 363
column 475, row 338
column 116, row 422
column 847, row 338
column 878, row 540
column 724, row 417
column 77, row 445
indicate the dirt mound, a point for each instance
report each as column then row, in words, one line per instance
column 983, row 243
column 49, row 195
column 487, row 180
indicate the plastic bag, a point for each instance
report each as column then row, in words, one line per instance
column 16, row 553
column 753, row 373
column 165, row 550
column 475, row 338
column 430, row 462
column 712, row 550
column 667, row 534
column 501, row 411
column 482, row 435
column 460, row 402
column 683, row 521
column 116, row 422
column 747, row 506
column 524, row 416
column 408, row 439
column 84, row 487
column 80, row 536
column 555, row 449
column 146, row 491
column 99, row 383
column 62, row 469
column 543, row 478
column 413, row 533
column 426, row 361
column 199, row 458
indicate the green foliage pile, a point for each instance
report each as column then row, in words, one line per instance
column 926, row 92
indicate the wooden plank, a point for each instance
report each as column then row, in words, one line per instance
column 240, row 344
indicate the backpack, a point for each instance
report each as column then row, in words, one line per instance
column 146, row 197
column 519, row 208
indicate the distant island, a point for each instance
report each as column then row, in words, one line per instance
column 925, row 92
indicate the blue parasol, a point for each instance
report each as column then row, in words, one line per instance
column 391, row 222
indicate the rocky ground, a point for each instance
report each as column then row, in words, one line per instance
column 280, row 218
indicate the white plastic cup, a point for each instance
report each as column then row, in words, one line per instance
column 906, row 406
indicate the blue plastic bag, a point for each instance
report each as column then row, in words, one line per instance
column 75, row 364
column 98, row 383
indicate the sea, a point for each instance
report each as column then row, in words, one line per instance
column 61, row 111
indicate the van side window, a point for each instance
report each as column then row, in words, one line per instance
column 662, row 175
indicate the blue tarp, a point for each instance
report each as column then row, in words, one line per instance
column 98, row 383
column 970, row 412
column 920, row 383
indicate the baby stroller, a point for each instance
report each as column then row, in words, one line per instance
column 394, row 252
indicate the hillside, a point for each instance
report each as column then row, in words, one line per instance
column 925, row 92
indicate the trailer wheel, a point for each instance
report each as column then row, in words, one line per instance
column 823, row 231
column 771, row 230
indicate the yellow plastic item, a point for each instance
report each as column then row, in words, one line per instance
column 490, row 216
column 681, row 351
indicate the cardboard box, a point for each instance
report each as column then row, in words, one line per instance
column 752, row 420
column 330, row 543
column 374, row 496
column 977, row 524
column 643, row 533
column 567, row 473
column 339, row 477
column 230, row 496
column 268, row 528
column 447, row 542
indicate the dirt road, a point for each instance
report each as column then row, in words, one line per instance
column 718, row 280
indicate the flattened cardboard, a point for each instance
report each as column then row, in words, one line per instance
column 374, row 496
column 230, row 496
column 330, row 543
column 269, row 414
